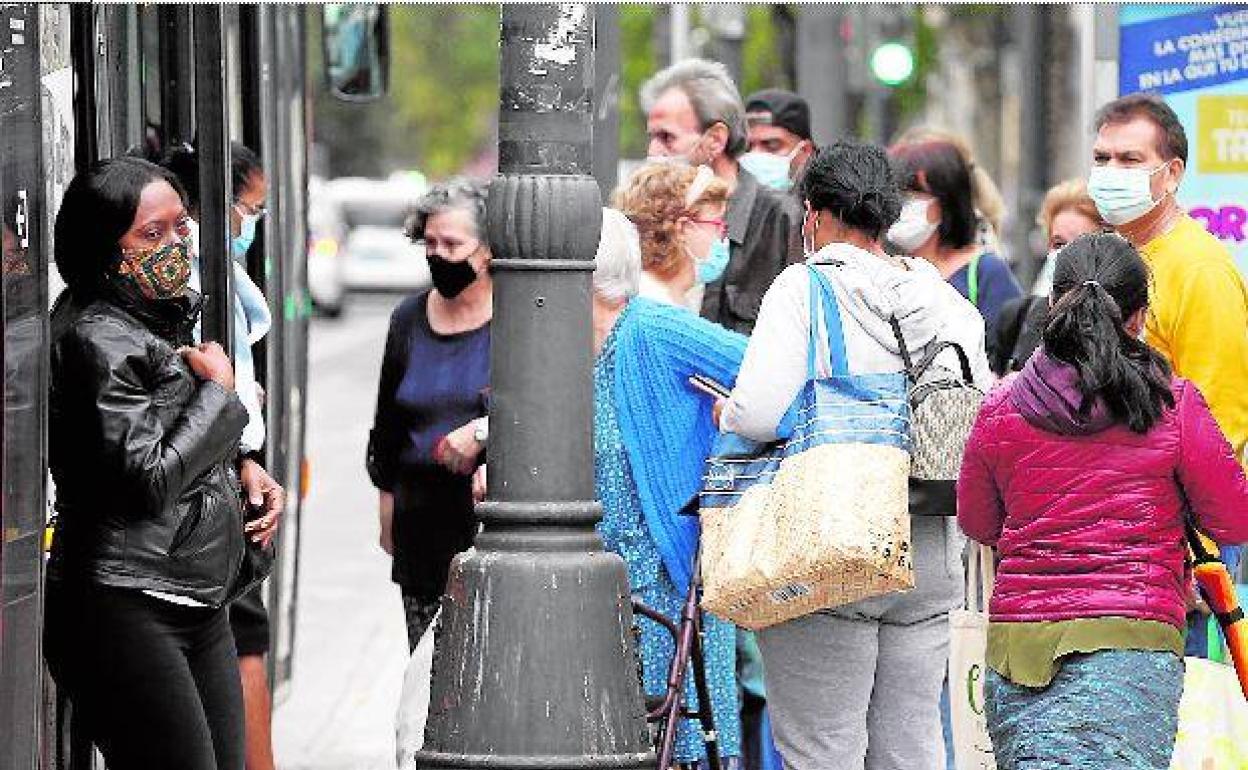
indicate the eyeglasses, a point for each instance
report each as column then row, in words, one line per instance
column 720, row 225
column 247, row 210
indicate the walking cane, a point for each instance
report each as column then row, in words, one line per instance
column 1218, row 588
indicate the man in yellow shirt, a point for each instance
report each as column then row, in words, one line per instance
column 1198, row 313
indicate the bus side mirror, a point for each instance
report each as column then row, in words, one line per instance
column 356, row 42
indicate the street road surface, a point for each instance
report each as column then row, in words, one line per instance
column 350, row 644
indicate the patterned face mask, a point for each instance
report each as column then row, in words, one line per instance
column 159, row 273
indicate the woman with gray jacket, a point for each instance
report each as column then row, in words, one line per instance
column 859, row 685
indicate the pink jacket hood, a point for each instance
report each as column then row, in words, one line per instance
column 1047, row 395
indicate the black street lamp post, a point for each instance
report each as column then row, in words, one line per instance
column 535, row 666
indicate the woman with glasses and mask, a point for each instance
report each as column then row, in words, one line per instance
column 143, row 430
column 249, row 619
column 1066, row 213
column 429, row 433
column 679, row 212
column 252, row 319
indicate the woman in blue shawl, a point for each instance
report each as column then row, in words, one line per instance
column 652, row 433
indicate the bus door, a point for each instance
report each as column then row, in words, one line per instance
column 273, row 109
column 36, row 152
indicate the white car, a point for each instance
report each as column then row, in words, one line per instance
column 357, row 241
column 382, row 259
column 325, row 234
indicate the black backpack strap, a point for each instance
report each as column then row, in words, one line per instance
column 901, row 345
column 937, row 349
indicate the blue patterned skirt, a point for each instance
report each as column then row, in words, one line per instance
column 1107, row 710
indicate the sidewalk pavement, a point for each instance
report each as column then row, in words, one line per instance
column 350, row 643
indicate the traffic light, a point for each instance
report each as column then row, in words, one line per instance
column 892, row 63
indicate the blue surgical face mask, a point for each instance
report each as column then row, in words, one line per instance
column 246, row 234
column 712, row 268
column 1122, row 195
column 770, row 170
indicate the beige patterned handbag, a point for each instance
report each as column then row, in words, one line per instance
column 943, row 406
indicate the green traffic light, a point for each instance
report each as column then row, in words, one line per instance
column 892, row 63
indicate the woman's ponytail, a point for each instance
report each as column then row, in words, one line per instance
column 1099, row 283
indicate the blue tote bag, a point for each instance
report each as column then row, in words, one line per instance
column 819, row 518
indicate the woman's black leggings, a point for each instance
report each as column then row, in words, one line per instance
column 155, row 684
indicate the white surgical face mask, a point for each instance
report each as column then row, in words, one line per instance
column 1122, row 195
column 770, row 170
column 911, row 230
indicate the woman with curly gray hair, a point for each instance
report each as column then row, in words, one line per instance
column 429, row 433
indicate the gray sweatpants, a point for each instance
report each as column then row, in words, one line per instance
column 859, row 686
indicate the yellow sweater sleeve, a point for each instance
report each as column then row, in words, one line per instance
column 1205, row 331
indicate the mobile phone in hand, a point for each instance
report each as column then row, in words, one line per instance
column 709, row 387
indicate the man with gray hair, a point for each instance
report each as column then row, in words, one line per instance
column 694, row 114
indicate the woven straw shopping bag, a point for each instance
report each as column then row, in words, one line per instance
column 821, row 518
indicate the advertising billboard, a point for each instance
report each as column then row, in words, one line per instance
column 1196, row 56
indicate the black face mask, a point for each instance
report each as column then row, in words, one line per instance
column 450, row 278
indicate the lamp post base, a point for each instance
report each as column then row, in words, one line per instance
column 535, row 665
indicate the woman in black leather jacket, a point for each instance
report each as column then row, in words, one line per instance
column 150, row 537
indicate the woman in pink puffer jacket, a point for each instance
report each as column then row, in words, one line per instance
column 1080, row 471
